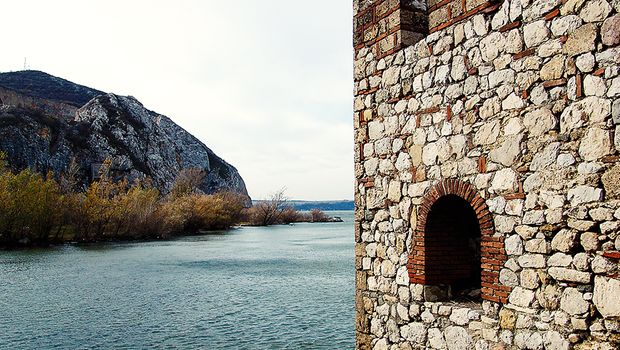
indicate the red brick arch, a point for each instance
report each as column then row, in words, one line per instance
column 492, row 253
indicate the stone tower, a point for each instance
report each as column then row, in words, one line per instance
column 487, row 148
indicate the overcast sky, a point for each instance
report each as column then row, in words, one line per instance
column 267, row 84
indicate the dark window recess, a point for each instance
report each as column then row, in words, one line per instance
column 452, row 249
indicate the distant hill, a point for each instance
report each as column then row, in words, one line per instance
column 322, row 205
column 42, row 85
column 46, row 121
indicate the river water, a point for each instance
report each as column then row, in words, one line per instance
column 280, row 287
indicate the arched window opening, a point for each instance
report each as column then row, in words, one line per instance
column 452, row 249
column 455, row 253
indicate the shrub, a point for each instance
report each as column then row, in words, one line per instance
column 29, row 206
column 318, row 215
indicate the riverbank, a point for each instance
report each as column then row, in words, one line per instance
column 312, row 217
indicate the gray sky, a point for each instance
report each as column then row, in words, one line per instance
column 266, row 84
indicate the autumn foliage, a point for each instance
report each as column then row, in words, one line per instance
column 37, row 209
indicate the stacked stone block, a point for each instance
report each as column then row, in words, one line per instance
column 520, row 99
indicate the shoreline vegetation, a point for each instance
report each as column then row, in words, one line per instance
column 41, row 210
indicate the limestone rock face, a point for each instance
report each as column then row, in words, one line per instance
column 140, row 143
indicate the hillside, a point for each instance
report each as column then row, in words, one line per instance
column 46, row 121
column 42, row 85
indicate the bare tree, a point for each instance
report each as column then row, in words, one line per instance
column 269, row 212
column 319, row 216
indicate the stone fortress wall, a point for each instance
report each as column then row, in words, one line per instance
column 487, row 148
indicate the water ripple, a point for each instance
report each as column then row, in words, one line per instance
column 252, row 288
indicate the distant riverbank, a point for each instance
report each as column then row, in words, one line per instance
column 39, row 210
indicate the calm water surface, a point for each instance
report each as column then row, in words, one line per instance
column 282, row 287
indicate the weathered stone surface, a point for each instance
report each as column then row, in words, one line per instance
column 549, row 296
column 606, row 292
column 514, row 42
column 581, row 261
column 560, row 259
column 594, row 86
column 514, row 207
column 459, row 316
column 508, row 152
column 553, row 69
column 535, row 261
column 457, row 338
column 565, row 24
column 521, row 297
column 614, row 89
column 382, row 344
column 592, row 108
column 375, row 130
column 550, row 48
column 539, row 121
column 601, row 214
column 569, row 275
column 585, row 62
column 573, row 303
column 553, row 340
column 602, row 265
column 512, row 102
column 526, row 115
column 391, row 75
column 505, row 180
column 589, row 241
column 491, row 45
column 514, row 245
column 610, row 31
column 581, row 40
column 595, row 10
column 611, row 182
column 500, row 77
column 394, row 191
column 504, row 224
column 507, row 319
column 545, row 158
column 535, row 33
column 564, row 241
column 508, row 278
column 610, row 228
column 529, row 279
column 436, row 339
column 580, row 225
column 414, row 332
column 537, row 8
column 584, row 194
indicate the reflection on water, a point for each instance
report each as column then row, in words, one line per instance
column 284, row 287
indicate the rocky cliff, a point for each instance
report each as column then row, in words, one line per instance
column 46, row 121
